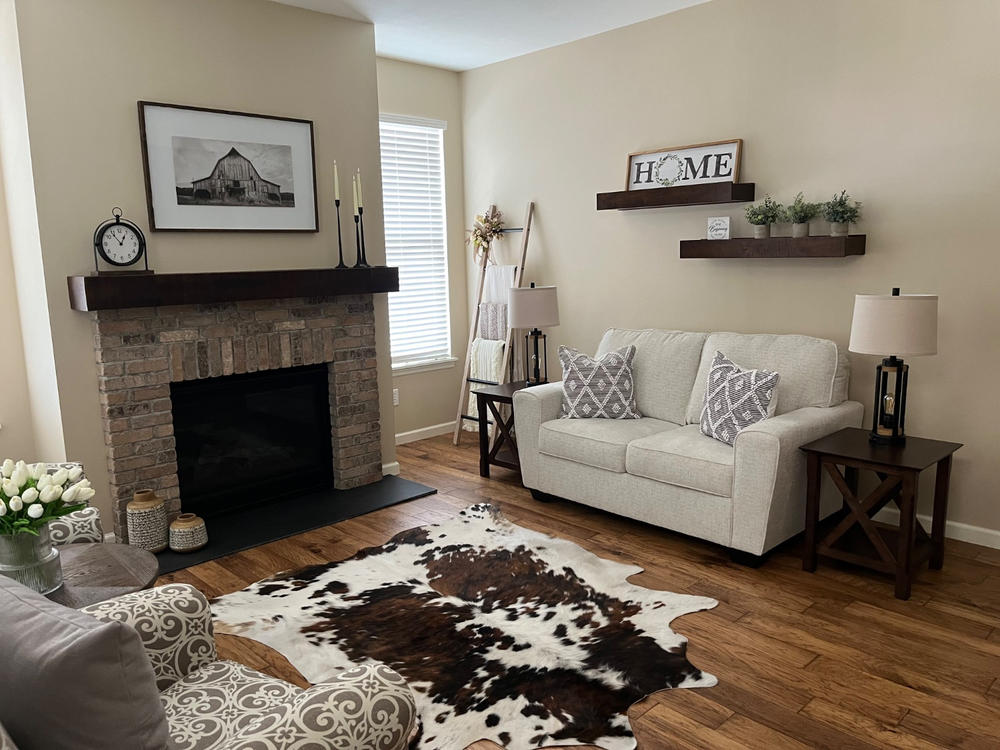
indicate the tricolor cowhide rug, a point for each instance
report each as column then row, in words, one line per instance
column 502, row 633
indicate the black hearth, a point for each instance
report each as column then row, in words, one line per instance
column 247, row 439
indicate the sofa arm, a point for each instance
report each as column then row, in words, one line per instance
column 174, row 623
column 532, row 407
column 365, row 708
column 770, row 475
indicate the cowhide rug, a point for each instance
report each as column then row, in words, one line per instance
column 503, row 633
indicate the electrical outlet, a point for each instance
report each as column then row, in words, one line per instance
column 395, row 396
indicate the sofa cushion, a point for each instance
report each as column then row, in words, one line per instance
column 814, row 372
column 684, row 458
column 599, row 443
column 215, row 703
column 664, row 367
column 52, row 656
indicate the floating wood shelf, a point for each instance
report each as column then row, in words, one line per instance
column 682, row 195
column 775, row 247
column 109, row 292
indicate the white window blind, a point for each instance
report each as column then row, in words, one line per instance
column 415, row 238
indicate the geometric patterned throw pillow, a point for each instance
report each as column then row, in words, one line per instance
column 598, row 388
column 735, row 398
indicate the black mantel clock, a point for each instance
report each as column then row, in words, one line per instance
column 120, row 243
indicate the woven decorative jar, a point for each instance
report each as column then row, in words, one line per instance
column 188, row 533
column 147, row 521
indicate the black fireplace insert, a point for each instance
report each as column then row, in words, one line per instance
column 253, row 438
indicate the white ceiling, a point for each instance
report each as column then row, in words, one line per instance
column 463, row 34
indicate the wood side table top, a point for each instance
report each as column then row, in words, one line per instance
column 95, row 572
column 503, row 393
column 853, row 444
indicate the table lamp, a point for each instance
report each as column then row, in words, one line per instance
column 534, row 307
column 893, row 325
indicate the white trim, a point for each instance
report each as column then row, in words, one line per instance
column 427, row 365
column 391, row 468
column 424, row 432
column 420, row 122
column 962, row 532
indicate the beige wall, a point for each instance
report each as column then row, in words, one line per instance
column 86, row 64
column 428, row 398
column 17, row 433
column 894, row 100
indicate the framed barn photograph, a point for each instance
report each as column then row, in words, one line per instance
column 216, row 170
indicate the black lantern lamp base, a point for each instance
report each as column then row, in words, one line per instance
column 536, row 369
column 889, row 413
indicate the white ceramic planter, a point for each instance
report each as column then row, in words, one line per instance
column 761, row 231
column 800, row 229
column 839, row 228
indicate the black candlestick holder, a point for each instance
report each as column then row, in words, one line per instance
column 340, row 240
column 362, row 255
column 357, row 241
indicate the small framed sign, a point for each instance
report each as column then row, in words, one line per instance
column 700, row 163
column 718, row 228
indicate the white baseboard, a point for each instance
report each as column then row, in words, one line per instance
column 963, row 532
column 424, row 432
column 391, row 468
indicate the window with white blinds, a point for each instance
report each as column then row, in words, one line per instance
column 415, row 238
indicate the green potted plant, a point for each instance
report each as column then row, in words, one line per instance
column 841, row 212
column 762, row 215
column 799, row 213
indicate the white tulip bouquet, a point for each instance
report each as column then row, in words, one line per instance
column 30, row 497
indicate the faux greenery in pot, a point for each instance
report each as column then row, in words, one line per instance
column 799, row 213
column 841, row 212
column 762, row 215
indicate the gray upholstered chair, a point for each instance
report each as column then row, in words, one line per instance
column 83, row 525
column 204, row 703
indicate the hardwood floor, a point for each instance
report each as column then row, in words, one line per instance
column 822, row 660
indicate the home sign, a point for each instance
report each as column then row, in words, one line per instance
column 700, row 163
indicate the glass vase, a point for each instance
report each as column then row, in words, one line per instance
column 31, row 560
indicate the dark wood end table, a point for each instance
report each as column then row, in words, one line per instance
column 856, row 537
column 95, row 572
column 487, row 399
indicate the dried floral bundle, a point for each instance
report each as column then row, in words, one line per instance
column 486, row 228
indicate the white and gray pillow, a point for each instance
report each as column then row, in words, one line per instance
column 598, row 388
column 735, row 398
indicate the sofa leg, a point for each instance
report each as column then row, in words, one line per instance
column 544, row 497
column 748, row 559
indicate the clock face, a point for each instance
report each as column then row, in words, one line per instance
column 121, row 244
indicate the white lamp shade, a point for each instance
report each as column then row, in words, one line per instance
column 533, row 307
column 903, row 325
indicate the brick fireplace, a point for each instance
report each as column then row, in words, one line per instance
column 141, row 350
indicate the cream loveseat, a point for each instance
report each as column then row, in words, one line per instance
column 662, row 470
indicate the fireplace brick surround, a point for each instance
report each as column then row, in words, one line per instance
column 140, row 351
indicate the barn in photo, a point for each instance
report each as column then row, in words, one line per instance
column 234, row 179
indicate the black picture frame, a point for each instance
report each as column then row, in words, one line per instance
column 149, row 177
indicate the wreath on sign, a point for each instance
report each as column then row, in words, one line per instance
column 666, row 181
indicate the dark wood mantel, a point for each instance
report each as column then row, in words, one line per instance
column 157, row 290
